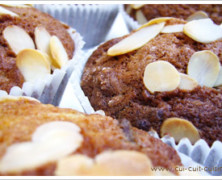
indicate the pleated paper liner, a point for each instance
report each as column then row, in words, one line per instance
column 210, row 158
column 93, row 21
column 130, row 22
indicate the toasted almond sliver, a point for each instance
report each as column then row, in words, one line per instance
column 17, row 98
column 161, row 76
column 197, row 15
column 17, row 5
column 203, row 30
column 173, row 28
column 42, row 39
column 48, row 58
column 32, row 64
column 75, row 165
column 187, row 83
column 58, row 52
column 128, row 9
column 122, row 163
column 156, row 21
column 6, row 11
column 18, row 39
column 136, row 40
column 49, row 130
column 219, row 78
column 204, row 67
column 136, row 6
column 60, row 142
column 108, row 163
column 29, row 5
column 140, row 17
column 179, row 128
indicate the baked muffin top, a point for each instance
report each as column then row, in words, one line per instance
column 25, row 20
column 29, row 125
column 146, row 12
column 115, row 83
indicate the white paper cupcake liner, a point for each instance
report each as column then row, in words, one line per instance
column 93, row 21
column 53, row 91
column 200, row 152
column 75, row 81
column 209, row 157
column 130, row 22
column 50, row 89
column 199, row 157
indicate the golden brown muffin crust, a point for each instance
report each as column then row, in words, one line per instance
column 19, row 119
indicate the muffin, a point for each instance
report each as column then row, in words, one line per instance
column 125, row 77
column 38, row 139
column 26, row 33
column 145, row 12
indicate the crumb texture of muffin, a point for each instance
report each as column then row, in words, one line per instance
column 26, row 18
column 183, row 11
column 97, row 136
column 115, row 85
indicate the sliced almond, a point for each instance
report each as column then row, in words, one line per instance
column 6, row 11
column 136, row 6
column 173, row 28
column 187, row 83
column 140, row 17
column 33, row 64
column 161, row 76
column 179, row 128
column 197, row 15
column 17, row 38
column 58, row 52
column 48, row 57
column 123, row 163
column 16, row 98
column 128, row 9
column 61, row 139
column 42, row 39
column 75, row 165
column 156, row 21
column 203, row 30
column 219, row 78
column 136, row 40
column 17, row 5
column 29, row 5
column 204, row 67
column 109, row 163
column 51, row 130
